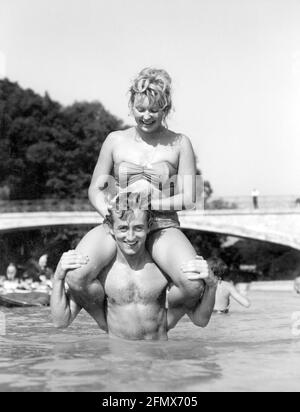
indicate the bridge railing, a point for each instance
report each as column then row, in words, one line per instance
column 246, row 203
column 45, row 205
column 213, row 203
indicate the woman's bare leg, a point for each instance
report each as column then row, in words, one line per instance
column 84, row 284
column 170, row 249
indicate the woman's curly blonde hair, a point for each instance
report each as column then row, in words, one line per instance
column 155, row 84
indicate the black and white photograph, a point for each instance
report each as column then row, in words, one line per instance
column 149, row 198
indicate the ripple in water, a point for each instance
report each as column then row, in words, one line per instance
column 247, row 350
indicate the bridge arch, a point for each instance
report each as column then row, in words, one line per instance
column 280, row 227
column 276, row 227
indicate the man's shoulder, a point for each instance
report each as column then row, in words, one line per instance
column 152, row 271
column 225, row 286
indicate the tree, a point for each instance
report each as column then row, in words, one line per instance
column 204, row 189
column 47, row 150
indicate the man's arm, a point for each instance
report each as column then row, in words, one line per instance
column 201, row 313
column 176, row 308
column 63, row 308
column 242, row 300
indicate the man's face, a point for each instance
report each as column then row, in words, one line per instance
column 131, row 231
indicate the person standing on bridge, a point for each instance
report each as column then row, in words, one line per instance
column 144, row 159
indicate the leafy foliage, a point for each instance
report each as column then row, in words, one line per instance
column 47, row 150
column 220, row 204
column 272, row 261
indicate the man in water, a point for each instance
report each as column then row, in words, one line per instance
column 136, row 302
column 225, row 288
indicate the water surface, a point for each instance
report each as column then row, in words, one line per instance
column 247, row 350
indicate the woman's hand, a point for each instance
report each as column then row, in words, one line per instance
column 70, row 260
column 202, row 271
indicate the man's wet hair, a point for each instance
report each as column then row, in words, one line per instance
column 124, row 206
column 218, row 266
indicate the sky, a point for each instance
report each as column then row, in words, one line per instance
column 235, row 66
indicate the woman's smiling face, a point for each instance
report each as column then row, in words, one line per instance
column 148, row 116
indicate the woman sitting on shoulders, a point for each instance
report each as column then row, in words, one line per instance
column 144, row 158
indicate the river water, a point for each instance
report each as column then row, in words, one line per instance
column 247, row 350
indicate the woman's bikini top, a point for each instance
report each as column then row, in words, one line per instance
column 148, row 179
column 157, row 174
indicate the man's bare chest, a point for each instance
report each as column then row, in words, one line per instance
column 124, row 286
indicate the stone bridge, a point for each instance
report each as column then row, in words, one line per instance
column 277, row 226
